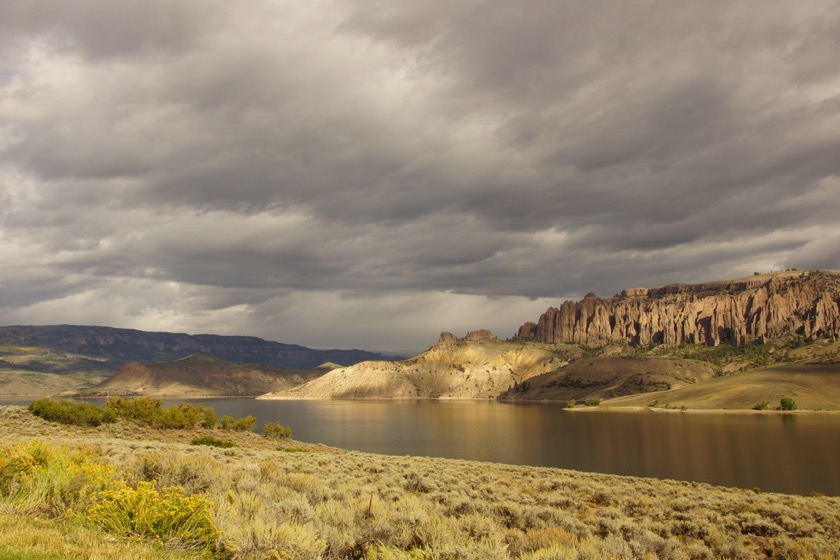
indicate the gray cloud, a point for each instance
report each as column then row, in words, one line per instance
column 369, row 173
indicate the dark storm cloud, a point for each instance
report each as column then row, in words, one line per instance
column 256, row 167
column 108, row 29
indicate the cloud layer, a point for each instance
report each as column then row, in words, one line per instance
column 367, row 173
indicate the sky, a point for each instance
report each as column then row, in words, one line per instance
column 368, row 174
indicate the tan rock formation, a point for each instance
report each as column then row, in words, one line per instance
column 476, row 366
column 805, row 304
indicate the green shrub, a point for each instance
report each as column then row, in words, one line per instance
column 149, row 411
column 245, row 424
column 571, row 403
column 71, row 412
column 788, row 404
column 592, row 402
column 763, row 405
column 274, row 430
column 188, row 416
column 212, row 441
column 240, row 425
column 227, row 422
column 144, row 410
column 209, row 419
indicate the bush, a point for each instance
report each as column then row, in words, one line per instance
column 274, row 430
column 241, row 425
column 592, row 402
column 144, row 410
column 212, row 442
column 149, row 411
column 245, row 424
column 163, row 515
column 788, row 404
column 764, row 405
column 227, row 422
column 571, row 404
column 209, row 419
column 46, row 478
column 71, row 412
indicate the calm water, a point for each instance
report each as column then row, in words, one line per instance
column 782, row 453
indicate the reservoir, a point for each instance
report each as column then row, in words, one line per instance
column 795, row 454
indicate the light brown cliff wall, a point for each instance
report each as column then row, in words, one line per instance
column 736, row 312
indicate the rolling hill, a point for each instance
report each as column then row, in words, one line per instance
column 198, row 375
column 45, row 360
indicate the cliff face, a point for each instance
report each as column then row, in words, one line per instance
column 734, row 312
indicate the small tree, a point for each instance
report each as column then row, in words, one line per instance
column 788, row 403
column 227, row 422
column 274, row 430
column 245, row 424
column 571, row 403
column 209, row 417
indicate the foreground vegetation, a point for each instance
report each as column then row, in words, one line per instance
column 127, row 489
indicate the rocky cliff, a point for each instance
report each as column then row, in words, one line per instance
column 757, row 308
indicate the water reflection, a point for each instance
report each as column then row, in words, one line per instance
column 795, row 454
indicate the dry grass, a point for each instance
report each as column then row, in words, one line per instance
column 29, row 538
column 812, row 386
column 605, row 377
column 325, row 503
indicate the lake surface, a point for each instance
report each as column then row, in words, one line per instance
column 781, row 453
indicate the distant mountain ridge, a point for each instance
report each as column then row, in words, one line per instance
column 759, row 308
column 129, row 345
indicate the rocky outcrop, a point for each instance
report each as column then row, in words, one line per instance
column 478, row 365
column 447, row 338
column 759, row 308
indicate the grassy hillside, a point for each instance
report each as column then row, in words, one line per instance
column 812, row 386
column 37, row 371
column 599, row 378
column 695, row 376
column 267, row 502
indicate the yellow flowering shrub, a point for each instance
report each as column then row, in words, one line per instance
column 37, row 476
column 166, row 516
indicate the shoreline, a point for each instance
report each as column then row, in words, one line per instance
column 582, row 408
column 699, row 410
